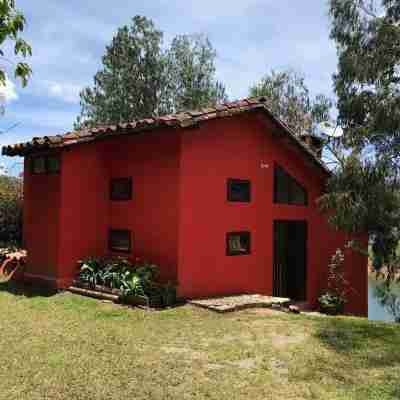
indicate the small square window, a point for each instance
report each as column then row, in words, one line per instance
column 237, row 243
column 38, row 165
column 120, row 240
column 53, row 165
column 121, row 189
column 239, row 190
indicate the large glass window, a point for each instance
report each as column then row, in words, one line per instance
column 287, row 190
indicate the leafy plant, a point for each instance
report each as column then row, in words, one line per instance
column 331, row 304
column 12, row 25
column 139, row 79
column 91, row 272
column 364, row 191
column 138, row 280
column 141, row 282
column 11, row 204
column 133, row 286
column 333, row 300
column 289, row 99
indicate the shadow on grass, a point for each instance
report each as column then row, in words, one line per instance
column 374, row 344
column 26, row 290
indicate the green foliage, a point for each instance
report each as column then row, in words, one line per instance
column 388, row 295
column 333, row 300
column 12, row 23
column 364, row 193
column 190, row 68
column 132, row 79
column 91, row 272
column 138, row 79
column 141, row 281
column 131, row 280
column 11, row 204
column 331, row 304
column 110, row 272
column 366, row 199
column 290, row 100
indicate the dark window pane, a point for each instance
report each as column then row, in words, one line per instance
column 120, row 240
column 121, row 189
column 298, row 195
column 282, row 185
column 287, row 190
column 237, row 243
column 239, row 190
column 53, row 164
column 38, row 165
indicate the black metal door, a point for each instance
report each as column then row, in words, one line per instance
column 290, row 259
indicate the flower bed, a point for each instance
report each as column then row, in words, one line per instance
column 133, row 283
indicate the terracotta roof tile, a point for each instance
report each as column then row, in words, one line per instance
column 179, row 120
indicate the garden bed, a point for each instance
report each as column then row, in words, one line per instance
column 134, row 283
column 105, row 293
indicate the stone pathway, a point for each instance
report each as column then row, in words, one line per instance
column 240, row 302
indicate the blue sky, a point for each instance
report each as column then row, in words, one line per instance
column 251, row 37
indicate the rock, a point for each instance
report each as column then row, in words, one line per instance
column 294, row 309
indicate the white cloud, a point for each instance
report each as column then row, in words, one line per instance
column 3, row 169
column 65, row 91
column 8, row 92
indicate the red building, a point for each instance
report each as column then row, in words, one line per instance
column 223, row 200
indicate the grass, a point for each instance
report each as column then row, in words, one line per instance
column 69, row 347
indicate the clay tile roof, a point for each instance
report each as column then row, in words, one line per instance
column 179, row 120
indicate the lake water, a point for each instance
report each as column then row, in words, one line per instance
column 383, row 303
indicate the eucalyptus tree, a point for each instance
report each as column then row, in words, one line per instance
column 141, row 79
column 364, row 191
column 289, row 98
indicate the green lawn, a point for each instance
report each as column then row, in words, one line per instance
column 69, row 347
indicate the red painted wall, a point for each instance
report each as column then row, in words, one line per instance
column 152, row 159
column 68, row 215
column 84, row 211
column 179, row 214
column 41, row 223
column 244, row 147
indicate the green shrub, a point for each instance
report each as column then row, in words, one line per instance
column 137, row 280
column 333, row 300
column 331, row 304
column 91, row 272
column 11, row 202
column 141, row 282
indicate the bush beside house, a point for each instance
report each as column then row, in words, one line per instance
column 134, row 283
column 332, row 302
column 11, row 202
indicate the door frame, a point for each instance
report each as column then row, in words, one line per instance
column 305, row 222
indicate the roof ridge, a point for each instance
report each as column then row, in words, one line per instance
column 181, row 119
